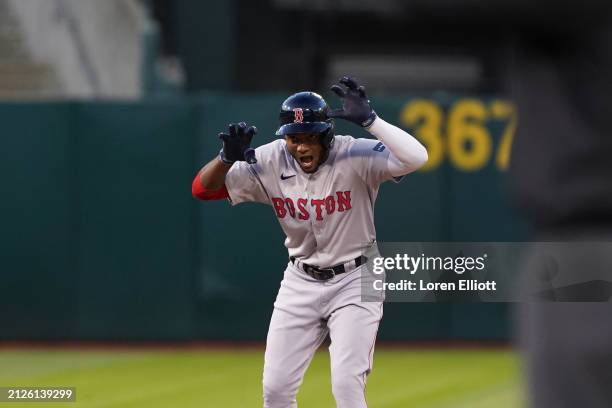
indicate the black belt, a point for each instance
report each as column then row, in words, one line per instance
column 329, row 272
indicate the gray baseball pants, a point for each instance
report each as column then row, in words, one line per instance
column 305, row 311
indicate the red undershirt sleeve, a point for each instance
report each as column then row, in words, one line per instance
column 198, row 191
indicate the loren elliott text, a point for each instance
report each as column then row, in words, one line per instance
column 461, row 285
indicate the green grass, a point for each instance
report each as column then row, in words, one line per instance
column 232, row 378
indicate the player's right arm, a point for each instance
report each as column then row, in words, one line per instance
column 209, row 183
column 234, row 174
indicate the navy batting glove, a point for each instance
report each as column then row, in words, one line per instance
column 237, row 144
column 355, row 104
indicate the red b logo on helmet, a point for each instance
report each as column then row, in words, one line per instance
column 299, row 115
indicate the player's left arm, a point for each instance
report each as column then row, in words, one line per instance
column 406, row 153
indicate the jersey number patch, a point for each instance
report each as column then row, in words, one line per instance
column 379, row 147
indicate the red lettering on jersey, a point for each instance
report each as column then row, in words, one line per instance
column 318, row 207
column 344, row 200
column 301, row 203
column 279, row 207
column 290, row 207
column 330, row 204
column 283, row 206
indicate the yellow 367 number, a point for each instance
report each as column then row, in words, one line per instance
column 462, row 133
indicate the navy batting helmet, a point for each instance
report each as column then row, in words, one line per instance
column 306, row 112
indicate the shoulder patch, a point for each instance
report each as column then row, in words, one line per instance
column 379, row 147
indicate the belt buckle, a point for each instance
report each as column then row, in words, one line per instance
column 319, row 274
column 328, row 276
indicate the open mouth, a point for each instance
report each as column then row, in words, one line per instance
column 306, row 162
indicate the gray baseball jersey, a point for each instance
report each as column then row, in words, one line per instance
column 328, row 216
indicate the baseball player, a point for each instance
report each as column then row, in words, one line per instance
column 322, row 188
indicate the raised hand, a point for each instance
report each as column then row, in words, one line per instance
column 237, row 144
column 355, row 104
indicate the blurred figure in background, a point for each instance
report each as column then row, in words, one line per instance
column 561, row 179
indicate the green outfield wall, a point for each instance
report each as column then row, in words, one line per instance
column 102, row 240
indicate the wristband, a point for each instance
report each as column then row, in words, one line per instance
column 224, row 159
column 368, row 122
